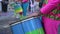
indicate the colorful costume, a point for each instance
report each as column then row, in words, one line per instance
column 18, row 10
column 50, row 25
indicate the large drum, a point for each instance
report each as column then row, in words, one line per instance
column 33, row 26
column 28, row 26
column 17, row 28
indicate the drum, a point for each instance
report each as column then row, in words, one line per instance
column 33, row 26
column 17, row 28
column 29, row 26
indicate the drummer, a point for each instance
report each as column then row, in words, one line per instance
column 47, row 8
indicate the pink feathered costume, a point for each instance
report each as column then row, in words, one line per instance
column 51, row 26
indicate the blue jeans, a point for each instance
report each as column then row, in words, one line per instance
column 25, row 6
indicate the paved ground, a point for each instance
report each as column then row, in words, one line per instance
column 5, row 20
column 6, row 31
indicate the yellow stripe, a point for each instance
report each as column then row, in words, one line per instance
column 17, row 11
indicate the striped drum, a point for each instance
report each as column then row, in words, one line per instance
column 33, row 26
column 29, row 26
column 17, row 28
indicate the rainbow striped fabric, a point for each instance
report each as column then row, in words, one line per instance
column 17, row 7
column 18, row 10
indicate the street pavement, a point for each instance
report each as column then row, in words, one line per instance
column 5, row 20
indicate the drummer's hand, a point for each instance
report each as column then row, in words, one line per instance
column 35, row 14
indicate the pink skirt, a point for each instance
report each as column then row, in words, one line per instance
column 50, row 25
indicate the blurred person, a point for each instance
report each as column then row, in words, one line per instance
column 52, row 4
column 4, row 5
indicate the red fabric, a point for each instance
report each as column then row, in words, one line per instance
column 58, row 15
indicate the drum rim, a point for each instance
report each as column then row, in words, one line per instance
column 13, row 24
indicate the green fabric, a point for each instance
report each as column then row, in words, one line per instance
column 37, row 31
column 55, row 11
column 41, row 31
column 22, row 17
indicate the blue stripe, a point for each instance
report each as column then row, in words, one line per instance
column 32, row 24
column 38, row 22
column 17, row 29
column 29, row 26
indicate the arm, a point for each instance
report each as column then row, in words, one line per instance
column 35, row 14
column 49, row 7
column 46, row 9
